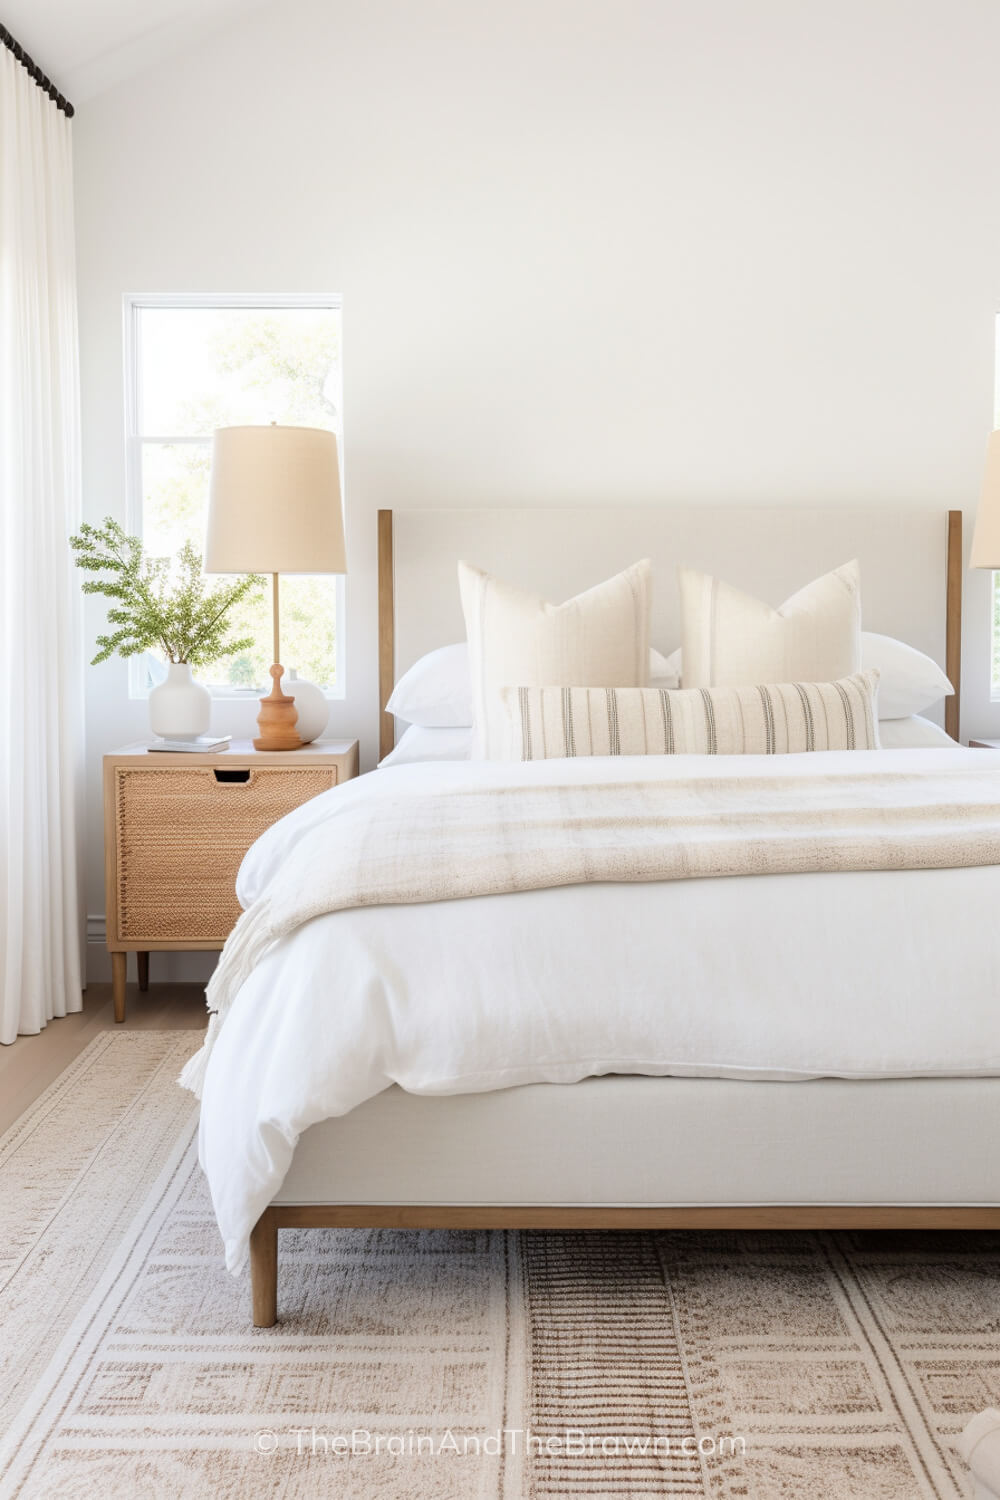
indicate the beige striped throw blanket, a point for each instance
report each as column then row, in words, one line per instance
column 440, row 833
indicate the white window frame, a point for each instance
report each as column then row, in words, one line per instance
column 994, row 687
column 133, row 304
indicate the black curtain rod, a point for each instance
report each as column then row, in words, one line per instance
column 28, row 63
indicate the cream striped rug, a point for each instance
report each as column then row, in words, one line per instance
column 463, row 1366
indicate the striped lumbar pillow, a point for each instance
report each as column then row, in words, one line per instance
column 549, row 722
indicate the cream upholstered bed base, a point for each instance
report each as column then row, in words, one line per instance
column 636, row 1152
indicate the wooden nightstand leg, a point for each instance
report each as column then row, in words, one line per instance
column 118, row 971
column 142, row 963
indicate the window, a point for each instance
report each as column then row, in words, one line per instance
column 995, row 639
column 196, row 363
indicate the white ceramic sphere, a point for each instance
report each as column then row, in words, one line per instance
column 311, row 705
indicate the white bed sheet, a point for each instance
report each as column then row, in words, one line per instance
column 858, row 975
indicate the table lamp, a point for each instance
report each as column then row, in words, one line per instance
column 274, row 507
column 986, row 537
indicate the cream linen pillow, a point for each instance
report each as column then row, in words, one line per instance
column 549, row 722
column 729, row 639
column 599, row 638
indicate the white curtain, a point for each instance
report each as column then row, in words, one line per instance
column 41, row 708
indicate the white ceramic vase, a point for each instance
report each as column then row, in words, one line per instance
column 180, row 708
column 311, row 705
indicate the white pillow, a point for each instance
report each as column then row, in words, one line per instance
column 909, row 681
column 436, row 692
column 660, row 675
column 730, row 638
column 914, row 733
column 419, row 744
column 599, row 638
column 430, row 744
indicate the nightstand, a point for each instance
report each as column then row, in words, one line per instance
column 176, row 828
column 984, row 744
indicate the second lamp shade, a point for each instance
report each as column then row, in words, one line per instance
column 986, row 539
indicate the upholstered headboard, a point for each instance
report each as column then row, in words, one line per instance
column 911, row 567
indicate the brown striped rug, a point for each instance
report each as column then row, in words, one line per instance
column 462, row 1366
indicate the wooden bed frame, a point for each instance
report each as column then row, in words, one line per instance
column 264, row 1237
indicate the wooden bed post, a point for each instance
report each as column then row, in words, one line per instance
column 264, row 1269
column 953, row 627
column 386, row 634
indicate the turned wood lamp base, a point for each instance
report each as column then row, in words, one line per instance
column 277, row 718
column 278, row 714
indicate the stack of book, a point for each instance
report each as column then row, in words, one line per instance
column 201, row 743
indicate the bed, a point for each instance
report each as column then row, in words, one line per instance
column 746, row 1125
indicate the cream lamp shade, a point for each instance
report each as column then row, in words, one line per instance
column 274, row 502
column 986, row 538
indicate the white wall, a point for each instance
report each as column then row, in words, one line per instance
column 657, row 249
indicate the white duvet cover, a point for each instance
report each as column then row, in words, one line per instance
column 854, row 975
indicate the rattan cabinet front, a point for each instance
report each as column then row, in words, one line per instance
column 180, row 835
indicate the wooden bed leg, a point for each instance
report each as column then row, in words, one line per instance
column 264, row 1269
column 142, row 963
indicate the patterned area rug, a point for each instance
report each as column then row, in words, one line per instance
column 458, row 1366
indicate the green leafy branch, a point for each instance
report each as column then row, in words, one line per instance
column 154, row 607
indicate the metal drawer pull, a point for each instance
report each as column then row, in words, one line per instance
column 231, row 775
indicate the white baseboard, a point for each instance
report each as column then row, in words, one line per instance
column 164, row 968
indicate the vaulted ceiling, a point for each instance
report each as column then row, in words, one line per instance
column 87, row 46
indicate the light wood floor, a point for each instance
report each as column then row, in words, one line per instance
column 30, row 1064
